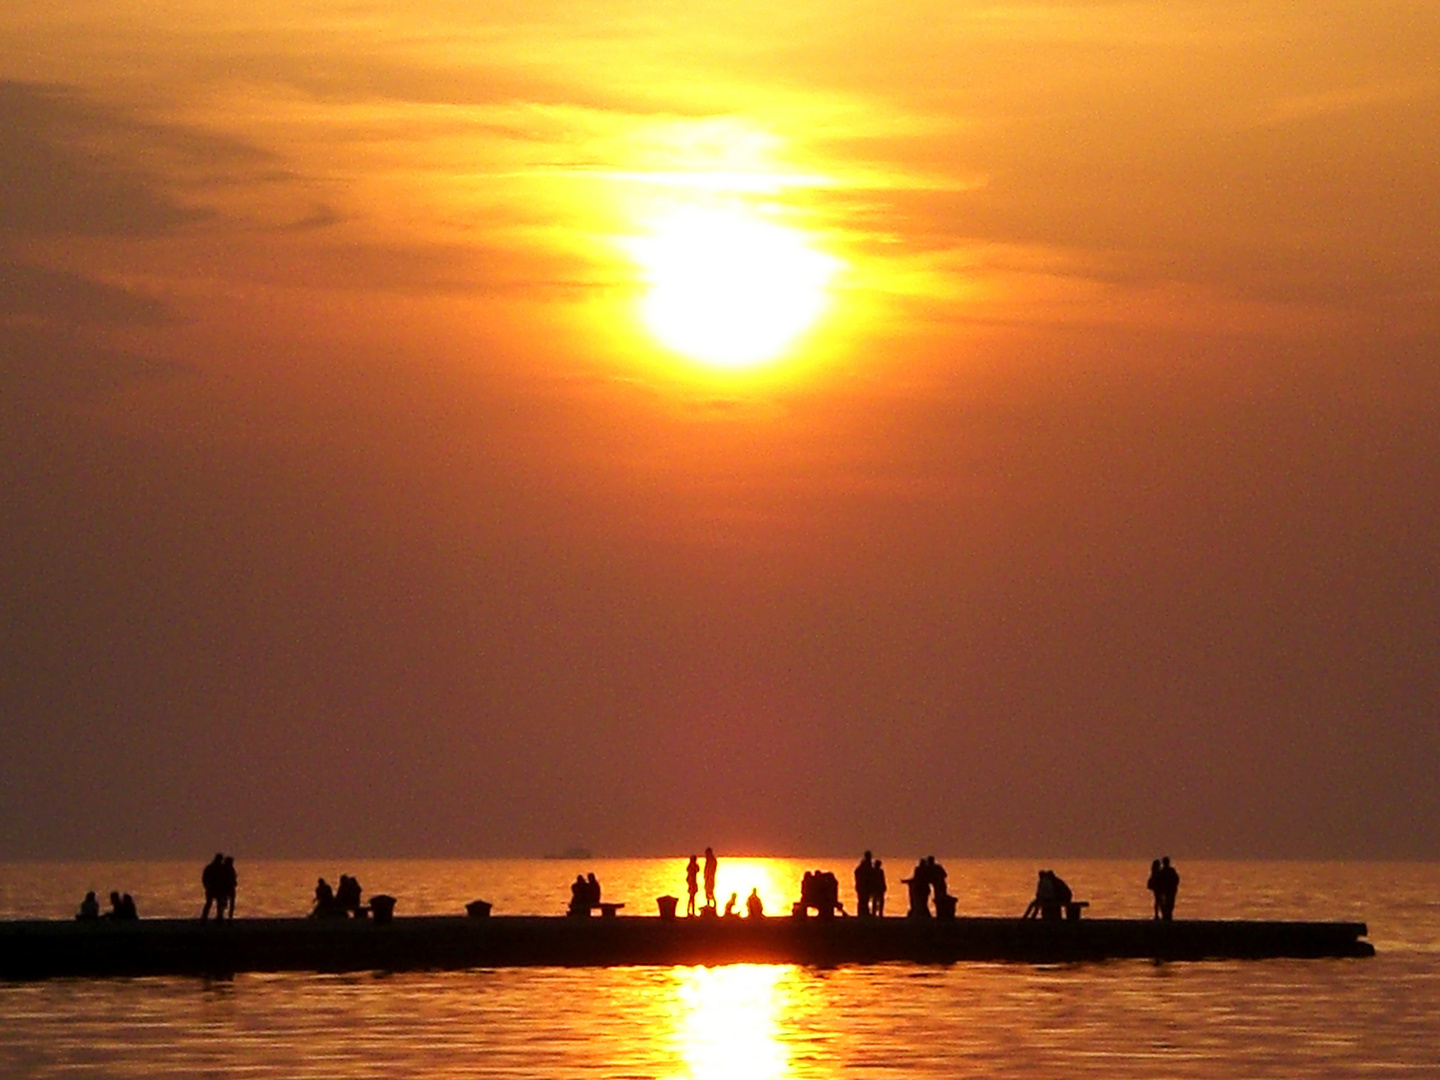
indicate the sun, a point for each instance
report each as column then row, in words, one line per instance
column 729, row 287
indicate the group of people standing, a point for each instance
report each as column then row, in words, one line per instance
column 692, row 875
column 870, row 886
column 219, row 881
column 927, row 877
column 1164, row 883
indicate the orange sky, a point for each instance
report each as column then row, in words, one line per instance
column 339, row 463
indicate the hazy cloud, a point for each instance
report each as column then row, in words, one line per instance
column 38, row 363
column 28, row 291
column 53, row 179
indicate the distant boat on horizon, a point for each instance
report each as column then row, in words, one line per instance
column 572, row 853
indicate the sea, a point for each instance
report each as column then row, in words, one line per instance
column 1377, row 1017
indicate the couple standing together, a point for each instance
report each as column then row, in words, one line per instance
column 219, row 881
column 1164, row 883
column 692, row 872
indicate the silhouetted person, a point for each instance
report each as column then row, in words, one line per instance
column 1153, row 884
column 116, row 907
column 1063, row 897
column 210, row 881
column 827, row 894
column 919, row 884
column 692, row 883
column 579, row 896
column 754, row 906
column 730, row 912
column 807, row 895
column 919, row 895
column 347, row 895
column 592, row 890
column 89, row 908
column 229, row 881
column 711, row 863
column 877, row 889
column 936, row 875
column 864, row 883
column 127, row 908
column 1169, row 886
column 324, row 900
column 1044, row 896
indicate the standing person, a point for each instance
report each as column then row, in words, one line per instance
column 936, row 873
column 229, row 882
column 1153, row 884
column 711, row 864
column 877, row 889
column 1169, row 886
column 864, row 884
column 692, row 883
column 919, row 883
column 210, row 881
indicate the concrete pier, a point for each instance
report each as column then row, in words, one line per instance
column 40, row 949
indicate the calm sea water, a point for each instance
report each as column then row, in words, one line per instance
column 1331, row 1018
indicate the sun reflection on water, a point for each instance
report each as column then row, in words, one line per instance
column 728, row 1022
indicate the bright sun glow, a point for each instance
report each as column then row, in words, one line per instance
column 727, row 286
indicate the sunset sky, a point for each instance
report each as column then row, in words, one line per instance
column 476, row 428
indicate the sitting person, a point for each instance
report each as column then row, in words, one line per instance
column 579, row 897
column 1044, row 896
column 1063, row 898
column 754, row 906
column 122, row 908
column 325, row 906
column 347, row 896
column 89, row 908
column 592, row 890
column 730, row 912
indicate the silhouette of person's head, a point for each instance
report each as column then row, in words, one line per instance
column 868, row 855
column 1165, row 860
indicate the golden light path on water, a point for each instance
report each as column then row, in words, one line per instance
column 729, row 1023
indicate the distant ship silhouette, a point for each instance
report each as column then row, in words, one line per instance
column 572, row 853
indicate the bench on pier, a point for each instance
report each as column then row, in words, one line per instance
column 1070, row 911
column 607, row 911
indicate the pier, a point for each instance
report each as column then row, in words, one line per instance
column 48, row 949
